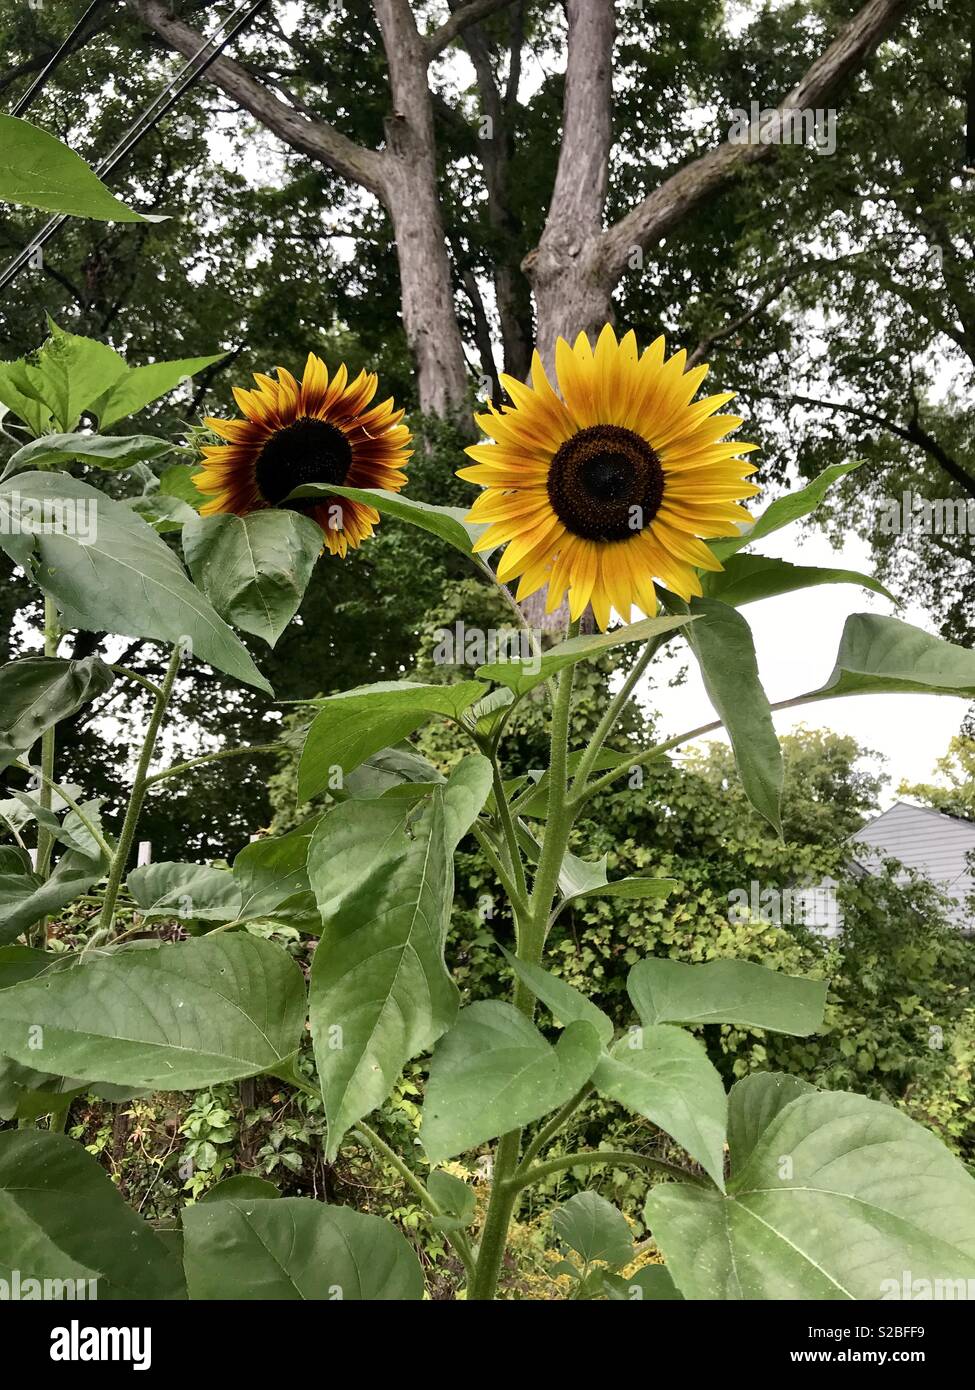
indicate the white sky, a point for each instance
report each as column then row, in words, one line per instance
column 796, row 639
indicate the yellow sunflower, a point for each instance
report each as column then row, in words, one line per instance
column 318, row 431
column 611, row 483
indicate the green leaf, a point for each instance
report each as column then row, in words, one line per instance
column 38, row 171
column 380, row 991
column 494, row 1072
column 295, row 1248
column 722, row 642
column 523, row 676
column 164, row 514
column 59, row 381
column 137, row 387
column 111, row 451
column 784, row 510
column 177, row 482
column 254, row 569
column 564, row 1002
column 748, row 578
column 171, row 1017
column 244, row 1187
column 352, row 726
column 594, row 1229
column 454, row 1197
column 581, row 878
column 447, row 523
column 188, row 892
column 652, row 1282
column 272, row 876
column 726, row 991
column 390, row 767
column 116, row 575
column 753, row 1104
column 838, row 1199
column 26, row 898
column 39, row 691
column 880, row 656
column 61, row 1217
column 21, row 963
column 665, row 1075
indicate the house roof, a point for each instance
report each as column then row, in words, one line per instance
column 931, row 843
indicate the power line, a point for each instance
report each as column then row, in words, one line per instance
column 142, row 126
column 56, row 60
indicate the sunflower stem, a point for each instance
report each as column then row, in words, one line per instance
column 138, row 794
column 503, row 1204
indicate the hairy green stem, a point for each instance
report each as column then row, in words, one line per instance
column 531, row 942
column 72, row 805
column 587, row 792
column 45, row 840
column 616, row 1158
column 149, row 685
column 138, row 794
column 179, row 768
column 457, row 1238
column 551, row 1128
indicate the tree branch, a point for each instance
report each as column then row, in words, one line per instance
column 452, row 28
column 688, row 187
column 315, row 138
column 913, row 432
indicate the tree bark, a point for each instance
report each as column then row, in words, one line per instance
column 403, row 177
column 573, row 294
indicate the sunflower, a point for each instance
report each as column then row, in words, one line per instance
column 611, row 483
column 317, row 432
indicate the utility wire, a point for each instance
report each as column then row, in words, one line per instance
column 142, row 126
column 56, row 60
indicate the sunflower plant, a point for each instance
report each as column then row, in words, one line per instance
column 616, row 491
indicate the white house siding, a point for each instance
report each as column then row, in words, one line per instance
column 932, row 844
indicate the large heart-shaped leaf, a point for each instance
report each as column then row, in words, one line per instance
column 726, row 991
column 170, row 1017
column 722, row 642
column 271, row 1250
column 110, row 572
column 38, row 691
column 881, row 655
column 63, row 1219
column 380, row 991
column 523, row 676
column 352, row 726
column 254, row 569
column 38, row 171
column 664, row 1074
column 841, row 1198
column 494, row 1072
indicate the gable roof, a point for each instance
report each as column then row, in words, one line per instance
column 930, row 842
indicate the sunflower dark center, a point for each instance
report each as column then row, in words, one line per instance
column 309, row 451
column 606, row 483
